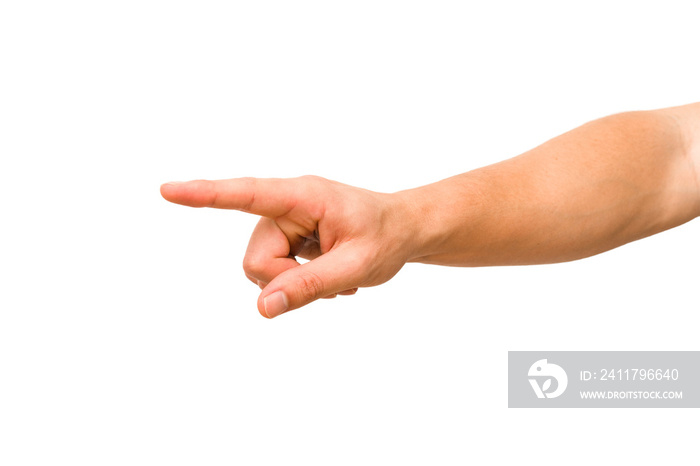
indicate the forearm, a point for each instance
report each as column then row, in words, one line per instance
column 604, row 184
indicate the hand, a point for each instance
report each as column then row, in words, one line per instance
column 352, row 237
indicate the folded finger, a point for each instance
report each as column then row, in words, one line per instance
column 267, row 254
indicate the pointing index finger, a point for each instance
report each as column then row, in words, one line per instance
column 269, row 197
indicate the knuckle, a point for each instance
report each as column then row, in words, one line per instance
column 250, row 186
column 317, row 193
column 316, row 183
column 312, row 178
column 254, row 265
column 310, row 286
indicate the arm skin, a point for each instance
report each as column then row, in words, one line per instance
column 609, row 182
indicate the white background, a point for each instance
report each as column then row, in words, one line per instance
column 128, row 332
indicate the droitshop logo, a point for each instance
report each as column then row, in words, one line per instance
column 542, row 373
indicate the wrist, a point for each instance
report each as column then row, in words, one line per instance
column 415, row 220
column 439, row 220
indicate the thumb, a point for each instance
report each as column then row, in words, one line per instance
column 336, row 271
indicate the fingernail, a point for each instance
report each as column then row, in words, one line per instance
column 173, row 183
column 275, row 304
